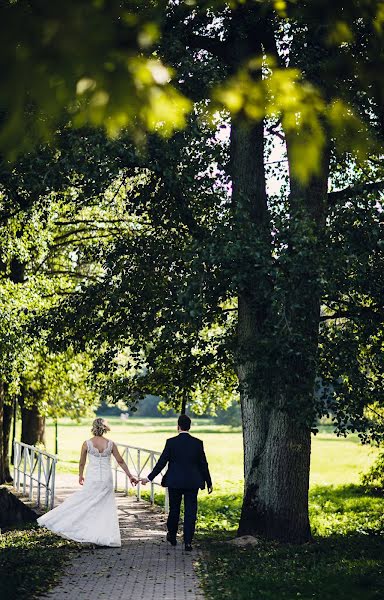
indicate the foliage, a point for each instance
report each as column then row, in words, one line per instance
column 149, row 407
column 229, row 416
column 90, row 62
column 186, row 257
column 181, row 246
column 49, row 246
column 118, row 338
column 374, row 478
column 10, row 336
column 351, row 330
column 117, row 78
column 31, row 560
column 59, row 383
column 206, row 254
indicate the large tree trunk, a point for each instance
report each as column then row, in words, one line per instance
column 7, row 424
column 277, row 443
column 277, row 413
column 32, row 424
column 276, row 379
column 276, row 470
column 2, row 466
column 276, row 449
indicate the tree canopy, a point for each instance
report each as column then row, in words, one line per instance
column 195, row 279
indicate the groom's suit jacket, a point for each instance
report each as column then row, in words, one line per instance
column 187, row 464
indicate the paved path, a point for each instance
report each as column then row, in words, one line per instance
column 144, row 568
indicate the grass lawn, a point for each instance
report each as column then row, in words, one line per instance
column 333, row 568
column 344, row 562
column 335, row 461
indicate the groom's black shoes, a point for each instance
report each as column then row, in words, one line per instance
column 171, row 539
column 188, row 547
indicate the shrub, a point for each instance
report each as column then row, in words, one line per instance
column 374, row 478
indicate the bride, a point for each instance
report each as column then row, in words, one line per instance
column 90, row 515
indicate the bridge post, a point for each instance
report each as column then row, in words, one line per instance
column 126, row 476
column 38, row 479
column 139, row 475
column 152, row 484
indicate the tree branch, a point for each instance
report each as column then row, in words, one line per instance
column 59, row 293
column 75, row 232
column 272, row 130
column 83, row 239
column 94, row 221
column 354, row 190
column 381, row 417
column 345, row 314
column 74, row 275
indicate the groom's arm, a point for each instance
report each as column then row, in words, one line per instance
column 161, row 463
column 204, row 467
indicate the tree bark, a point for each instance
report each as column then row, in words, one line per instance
column 276, row 409
column 2, row 466
column 7, row 424
column 14, row 410
column 32, row 424
column 276, row 470
column 277, row 444
column 276, row 449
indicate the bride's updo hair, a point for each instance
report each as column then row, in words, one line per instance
column 99, row 426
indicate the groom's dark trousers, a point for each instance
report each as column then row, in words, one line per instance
column 190, row 512
column 187, row 472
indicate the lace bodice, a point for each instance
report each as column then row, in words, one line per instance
column 95, row 452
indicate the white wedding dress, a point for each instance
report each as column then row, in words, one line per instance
column 89, row 515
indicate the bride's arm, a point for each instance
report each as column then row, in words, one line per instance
column 83, row 458
column 122, row 464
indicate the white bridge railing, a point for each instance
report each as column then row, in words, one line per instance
column 140, row 462
column 34, row 473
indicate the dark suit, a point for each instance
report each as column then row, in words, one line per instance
column 187, row 472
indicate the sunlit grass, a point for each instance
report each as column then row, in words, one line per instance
column 344, row 563
column 335, row 461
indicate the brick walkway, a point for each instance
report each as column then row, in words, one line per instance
column 144, row 568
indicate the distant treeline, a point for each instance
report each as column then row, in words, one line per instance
column 148, row 407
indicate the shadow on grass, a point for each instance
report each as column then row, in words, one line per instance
column 334, row 568
column 31, row 559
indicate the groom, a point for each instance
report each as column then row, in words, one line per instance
column 187, row 472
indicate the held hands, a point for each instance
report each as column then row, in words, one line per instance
column 145, row 480
column 133, row 480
